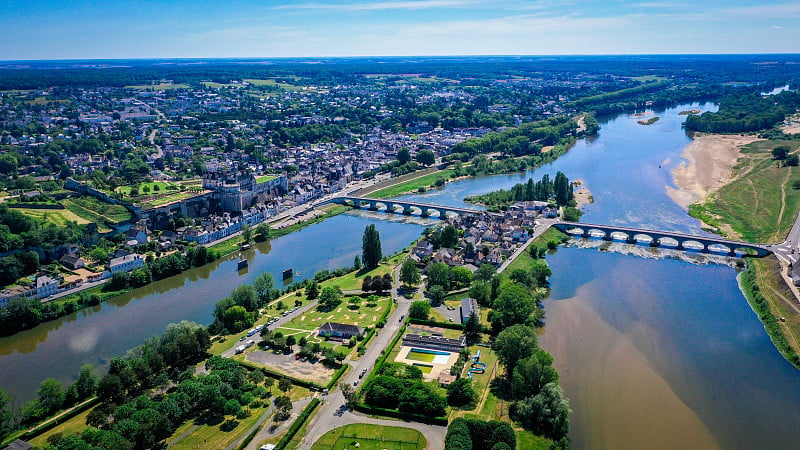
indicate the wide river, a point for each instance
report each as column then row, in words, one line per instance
column 653, row 352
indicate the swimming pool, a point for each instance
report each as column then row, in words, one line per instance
column 429, row 356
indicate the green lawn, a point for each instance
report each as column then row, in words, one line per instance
column 163, row 187
column 56, row 216
column 353, row 280
column 283, row 86
column 265, row 178
column 425, row 181
column 366, row 315
column 168, row 199
column 213, row 85
column 371, row 437
column 159, row 87
column 72, row 426
column 94, row 210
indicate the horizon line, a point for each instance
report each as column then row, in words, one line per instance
column 501, row 55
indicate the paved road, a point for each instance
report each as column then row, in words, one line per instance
column 281, row 320
column 789, row 250
column 332, row 413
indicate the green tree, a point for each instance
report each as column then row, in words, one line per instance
column 264, row 286
column 357, row 262
column 792, row 160
column 485, row 272
column 460, row 392
column 547, row 413
column 532, row 373
column 371, row 247
column 86, row 384
column 348, row 392
column 449, row 237
column 236, row 319
column 284, row 385
column 6, row 414
column 313, row 290
column 245, row 296
column 426, row 157
column 482, row 293
column 247, row 233
column 439, row 275
column 512, row 306
column 419, row 310
column 409, row 274
column 513, row 344
column 437, row 294
column 780, row 152
column 460, row 277
column 262, row 231
column 331, row 297
column 473, row 328
column 50, row 396
column 403, row 155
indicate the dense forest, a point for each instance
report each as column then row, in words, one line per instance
column 740, row 113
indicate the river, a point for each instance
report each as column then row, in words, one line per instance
column 653, row 352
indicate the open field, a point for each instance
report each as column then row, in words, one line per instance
column 163, row 186
column 760, row 203
column 780, row 303
column 93, row 210
column 265, row 178
column 159, row 87
column 354, row 280
column 56, row 216
column 274, row 83
column 213, row 85
column 168, row 199
column 371, row 437
column 412, row 185
column 363, row 314
column 72, row 426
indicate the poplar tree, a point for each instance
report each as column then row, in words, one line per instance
column 371, row 248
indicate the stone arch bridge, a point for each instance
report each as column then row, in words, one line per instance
column 401, row 206
column 664, row 239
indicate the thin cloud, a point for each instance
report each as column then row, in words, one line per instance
column 380, row 6
column 775, row 10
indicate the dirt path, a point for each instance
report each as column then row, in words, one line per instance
column 783, row 196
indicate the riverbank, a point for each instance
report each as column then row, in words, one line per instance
column 709, row 166
column 732, row 184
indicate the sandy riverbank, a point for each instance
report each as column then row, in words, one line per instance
column 708, row 167
column 583, row 196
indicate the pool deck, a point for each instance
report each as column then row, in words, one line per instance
column 402, row 357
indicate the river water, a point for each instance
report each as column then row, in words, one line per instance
column 653, row 352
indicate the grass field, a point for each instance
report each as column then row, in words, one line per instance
column 780, row 299
column 366, row 315
column 159, row 87
column 760, row 204
column 371, row 437
column 56, row 216
column 177, row 196
column 284, row 86
column 412, row 185
column 163, row 187
column 213, row 85
column 72, row 426
column 353, row 280
column 94, row 210
column 265, row 178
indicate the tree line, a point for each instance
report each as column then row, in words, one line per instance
column 746, row 112
column 558, row 190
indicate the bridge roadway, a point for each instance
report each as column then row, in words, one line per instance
column 407, row 207
column 656, row 238
column 630, row 235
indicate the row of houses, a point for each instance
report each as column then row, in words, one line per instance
column 47, row 285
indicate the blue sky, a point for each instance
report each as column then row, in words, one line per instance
column 86, row 29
